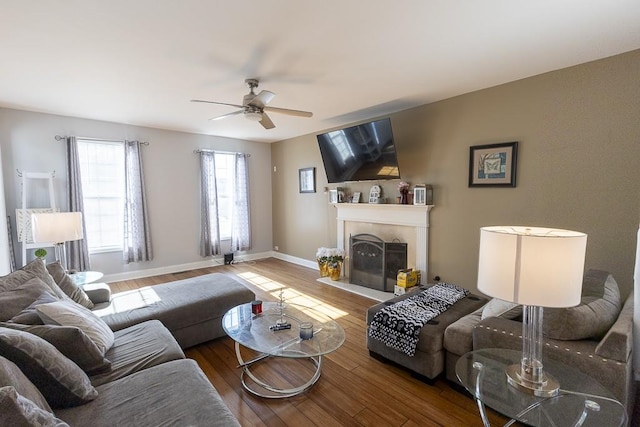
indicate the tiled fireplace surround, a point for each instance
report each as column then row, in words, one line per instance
column 404, row 223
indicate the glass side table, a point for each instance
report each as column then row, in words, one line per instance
column 582, row 401
column 82, row 278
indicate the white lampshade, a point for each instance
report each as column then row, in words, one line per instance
column 56, row 227
column 532, row 265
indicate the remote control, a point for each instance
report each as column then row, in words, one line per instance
column 280, row 327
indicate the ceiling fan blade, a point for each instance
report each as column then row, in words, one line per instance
column 218, row 103
column 262, row 99
column 266, row 122
column 224, row 116
column 289, row 112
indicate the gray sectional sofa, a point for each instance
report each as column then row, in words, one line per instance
column 595, row 337
column 61, row 364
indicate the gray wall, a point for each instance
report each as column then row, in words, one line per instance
column 578, row 168
column 171, row 175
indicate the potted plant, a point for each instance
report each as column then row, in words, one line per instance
column 330, row 262
column 41, row 253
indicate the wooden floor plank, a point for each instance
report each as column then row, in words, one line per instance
column 354, row 389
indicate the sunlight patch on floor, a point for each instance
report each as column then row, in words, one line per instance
column 292, row 296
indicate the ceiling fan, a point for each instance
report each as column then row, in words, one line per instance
column 254, row 106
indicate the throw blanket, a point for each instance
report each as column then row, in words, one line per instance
column 398, row 325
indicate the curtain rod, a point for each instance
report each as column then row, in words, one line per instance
column 60, row 138
column 206, row 150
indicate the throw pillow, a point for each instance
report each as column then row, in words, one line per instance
column 68, row 313
column 17, row 410
column 59, row 380
column 29, row 316
column 71, row 342
column 14, row 300
column 35, row 268
column 68, row 285
column 598, row 310
column 501, row 308
column 11, row 375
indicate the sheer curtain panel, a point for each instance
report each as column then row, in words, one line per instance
column 240, row 225
column 137, row 235
column 78, row 252
column 209, row 227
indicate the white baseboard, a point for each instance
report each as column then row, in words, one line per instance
column 295, row 260
column 211, row 262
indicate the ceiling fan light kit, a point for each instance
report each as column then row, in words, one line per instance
column 254, row 106
column 253, row 116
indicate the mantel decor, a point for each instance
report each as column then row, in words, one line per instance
column 307, row 178
column 493, row 165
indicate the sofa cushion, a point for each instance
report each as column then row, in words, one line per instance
column 22, row 297
column 71, row 342
column 69, row 313
column 35, row 268
column 191, row 309
column 17, row 410
column 175, row 393
column 598, row 310
column 501, row 308
column 136, row 348
column 59, row 380
column 11, row 375
column 68, row 285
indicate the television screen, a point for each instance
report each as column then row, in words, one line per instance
column 360, row 153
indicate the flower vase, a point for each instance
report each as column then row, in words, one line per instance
column 324, row 268
column 404, row 197
column 334, row 270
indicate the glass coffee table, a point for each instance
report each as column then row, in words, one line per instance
column 581, row 401
column 256, row 332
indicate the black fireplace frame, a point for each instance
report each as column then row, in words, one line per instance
column 392, row 257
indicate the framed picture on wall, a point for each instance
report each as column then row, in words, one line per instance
column 307, row 178
column 493, row 165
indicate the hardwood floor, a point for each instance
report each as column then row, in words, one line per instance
column 354, row 389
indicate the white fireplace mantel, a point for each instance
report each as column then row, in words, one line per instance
column 414, row 216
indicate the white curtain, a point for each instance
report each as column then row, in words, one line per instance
column 209, row 227
column 240, row 218
column 78, row 250
column 137, row 235
column 240, row 225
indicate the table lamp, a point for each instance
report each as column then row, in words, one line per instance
column 536, row 267
column 57, row 228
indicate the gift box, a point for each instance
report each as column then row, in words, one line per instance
column 407, row 278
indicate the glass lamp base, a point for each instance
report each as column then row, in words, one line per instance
column 548, row 387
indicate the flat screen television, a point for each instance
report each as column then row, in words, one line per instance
column 364, row 152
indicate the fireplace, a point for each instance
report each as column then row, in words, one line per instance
column 374, row 262
column 388, row 221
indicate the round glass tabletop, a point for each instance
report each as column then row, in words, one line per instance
column 256, row 332
column 580, row 401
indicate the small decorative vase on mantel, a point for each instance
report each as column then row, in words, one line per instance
column 403, row 188
column 404, row 197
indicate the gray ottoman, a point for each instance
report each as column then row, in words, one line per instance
column 429, row 359
column 191, row 309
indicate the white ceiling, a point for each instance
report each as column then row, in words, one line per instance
column 141, row 61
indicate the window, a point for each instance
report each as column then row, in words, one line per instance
column 225, row 172
column 102, row 176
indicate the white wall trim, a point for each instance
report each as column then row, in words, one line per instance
column 211, row 262
column 295, row 260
